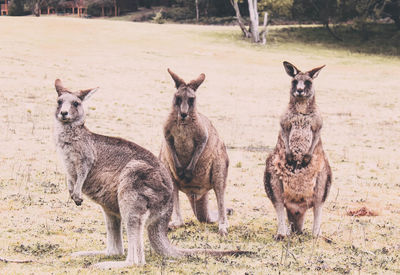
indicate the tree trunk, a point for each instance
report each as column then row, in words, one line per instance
column 239, row 18
column 263, row 33
column 197, row 11
column 36, row 9
column 255, row 36
column 331, row 32
column 206, row 8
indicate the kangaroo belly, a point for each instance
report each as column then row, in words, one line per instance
column 300, row 140
column 184, row 150
column 102, row 188
column 201, row 182
column 298, row 185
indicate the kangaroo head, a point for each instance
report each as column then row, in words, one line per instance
column 184, row 103
column 302, row 83
column 69, row 104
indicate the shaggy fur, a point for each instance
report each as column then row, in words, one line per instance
column 130, row 184
column 297, row 174
column 194, row 155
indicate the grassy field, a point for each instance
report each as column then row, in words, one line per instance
column 245, row 91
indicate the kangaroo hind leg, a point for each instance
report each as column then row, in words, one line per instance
column 114, row 238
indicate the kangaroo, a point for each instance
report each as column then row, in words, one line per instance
column 126, row 180
column 297, row 174
column 194, row 155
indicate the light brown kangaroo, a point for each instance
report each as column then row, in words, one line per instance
column 127, row 181
column 297, row 174
column 194, row 155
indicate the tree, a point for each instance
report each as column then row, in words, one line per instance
column 323, row 11
column 253, row 31
column 391, row 8
column 16, row 8
column 197, row 10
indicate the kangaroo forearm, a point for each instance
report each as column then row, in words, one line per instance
column 285, row 137
column 174, row 156
column 170, row 144
column 80, row 179
column 199, row 150
column 314, row 143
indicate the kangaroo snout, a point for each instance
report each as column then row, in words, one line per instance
column 64, row 113
column 183, row 115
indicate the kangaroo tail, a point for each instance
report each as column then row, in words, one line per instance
column 214, row 252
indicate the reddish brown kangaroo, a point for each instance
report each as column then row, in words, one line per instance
column 297, row 174
column 129, row 183
column 194, row 155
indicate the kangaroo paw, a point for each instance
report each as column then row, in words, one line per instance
column 223, row 230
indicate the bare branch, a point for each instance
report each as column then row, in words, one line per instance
column 242, row 26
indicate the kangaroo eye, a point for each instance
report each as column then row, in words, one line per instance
column 59, row 102
column 191, row 101
column 294, row 82
column 178, row 101
column 75, row 103
column 307, row 82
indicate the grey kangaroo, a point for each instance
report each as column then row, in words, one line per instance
column 194, row 155
column 297, row 174
column 126, row 180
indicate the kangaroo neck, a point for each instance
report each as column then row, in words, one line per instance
column 71, row 132
column 302, row 106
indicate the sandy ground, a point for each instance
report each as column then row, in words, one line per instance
column 245, row 91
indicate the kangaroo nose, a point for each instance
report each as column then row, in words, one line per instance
column 64, row 113
column 183, row 115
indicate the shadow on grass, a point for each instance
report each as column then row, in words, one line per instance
column 382, row 39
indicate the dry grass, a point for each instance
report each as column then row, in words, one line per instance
column 245, row 91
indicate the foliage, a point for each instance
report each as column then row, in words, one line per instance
column 16, row 8
column 276, row 8
column 95, row 6
column 315, row 10
column 180, row 13
column 353, row 38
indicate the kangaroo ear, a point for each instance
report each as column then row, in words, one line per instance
column 59, row 87
column 314, row 72
column 178, row 81
column 86, row 94
column 290, row 69
column 194, row 84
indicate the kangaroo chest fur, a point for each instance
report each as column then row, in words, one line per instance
column 184, row 143
column 74, row 149
column 300, row 136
